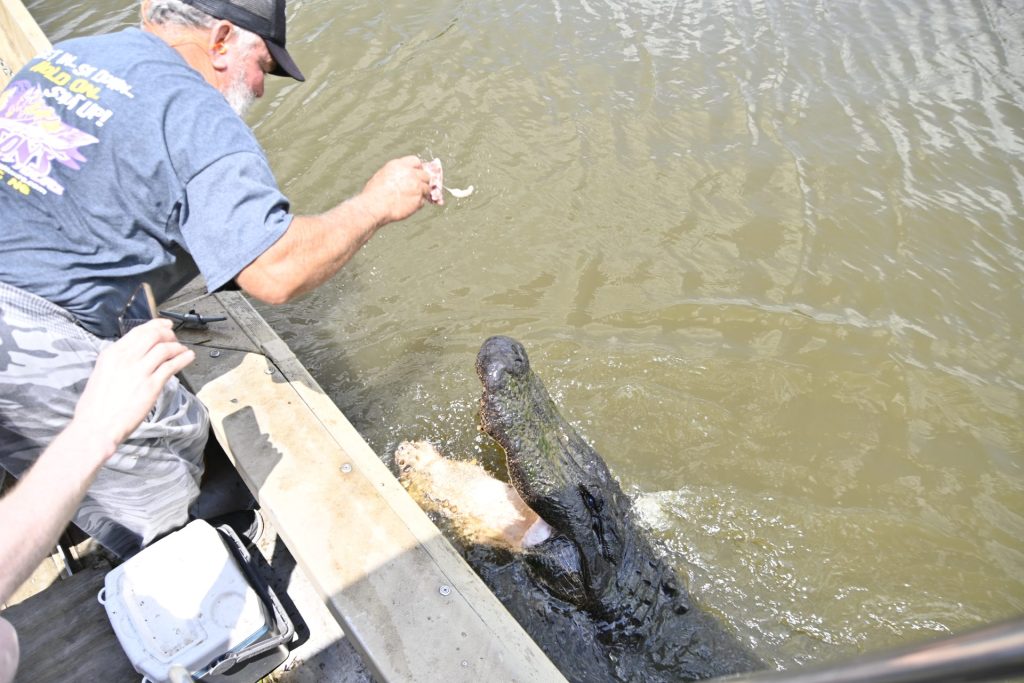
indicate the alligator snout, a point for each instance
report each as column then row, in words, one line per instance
column 499, row 358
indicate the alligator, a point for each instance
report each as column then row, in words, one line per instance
column 583, row 580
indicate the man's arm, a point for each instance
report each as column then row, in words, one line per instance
column 314, row 248
column 124, row 385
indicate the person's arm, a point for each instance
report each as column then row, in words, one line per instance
column 124, row 385
column 314, row 248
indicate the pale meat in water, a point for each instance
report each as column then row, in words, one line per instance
column 482, row 509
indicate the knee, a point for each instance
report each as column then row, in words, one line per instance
column 8, row 652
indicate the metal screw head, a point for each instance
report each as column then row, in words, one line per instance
column 445, row 590
column 215, row 353
column 346, row 468
column 268, row 371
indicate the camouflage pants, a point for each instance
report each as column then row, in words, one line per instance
column 146, row 488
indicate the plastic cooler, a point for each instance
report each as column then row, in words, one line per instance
column 193, row 599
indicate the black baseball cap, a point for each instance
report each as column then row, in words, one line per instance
column 265, row 18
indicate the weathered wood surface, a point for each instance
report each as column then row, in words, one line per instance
column 406, row 599
column 65, row 635
column 20, row 39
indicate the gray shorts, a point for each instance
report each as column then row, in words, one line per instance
column 146, row 488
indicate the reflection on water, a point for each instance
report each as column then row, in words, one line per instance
column 766, row 254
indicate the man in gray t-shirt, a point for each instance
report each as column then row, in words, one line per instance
column 123, row 160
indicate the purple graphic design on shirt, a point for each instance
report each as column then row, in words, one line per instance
column 32, row 137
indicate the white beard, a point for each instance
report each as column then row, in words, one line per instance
column 239, row 96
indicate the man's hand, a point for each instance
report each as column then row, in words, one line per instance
column 127, row 380
column 398, row 190
column 314, row 248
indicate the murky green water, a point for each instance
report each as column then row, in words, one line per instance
column 767, row 254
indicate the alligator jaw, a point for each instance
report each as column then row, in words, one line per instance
column 598, row 559
column 517, row 412
column 554, row 470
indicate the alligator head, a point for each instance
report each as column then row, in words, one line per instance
column 598, row 559
column 591, row 560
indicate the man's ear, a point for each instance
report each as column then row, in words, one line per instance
column 217, row 45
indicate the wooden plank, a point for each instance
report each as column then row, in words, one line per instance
column 406, row 599
column 57, row 648
column 216, row 335
column 21, row 39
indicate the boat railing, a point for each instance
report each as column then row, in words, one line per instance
column 989, row 653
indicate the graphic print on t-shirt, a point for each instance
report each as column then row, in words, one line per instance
column 33, row 135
